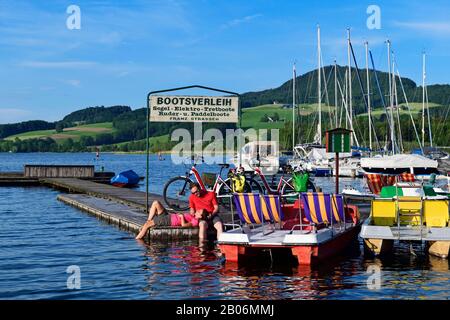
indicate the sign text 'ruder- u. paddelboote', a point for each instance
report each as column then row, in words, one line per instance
column 193, row 109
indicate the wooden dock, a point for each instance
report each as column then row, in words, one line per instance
column 122, row 195
column 92, row 193
column 23, row 179
column 125, row 217
column 11, row 179
column 58, row 171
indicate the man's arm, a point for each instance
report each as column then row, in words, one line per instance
column 215, row 205
column 191, row 206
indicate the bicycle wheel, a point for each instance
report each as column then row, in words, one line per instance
column 176, row 193
column 251, row 185
column 226, row 189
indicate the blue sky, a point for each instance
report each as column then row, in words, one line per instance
column 126, row 48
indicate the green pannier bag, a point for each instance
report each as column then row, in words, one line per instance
column 300, row 181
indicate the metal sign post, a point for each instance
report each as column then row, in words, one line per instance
column 174, row 112
column 338, row 140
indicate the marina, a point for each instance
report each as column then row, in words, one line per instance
column 90, row 192
column 224, row 151
column 165, row 250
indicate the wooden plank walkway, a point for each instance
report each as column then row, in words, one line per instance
column 125, row 217
column 122, row 195
column 120, row 206
column 19, row 179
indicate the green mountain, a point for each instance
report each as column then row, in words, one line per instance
column 306, row 87
column 96, row 114
column 121, row 128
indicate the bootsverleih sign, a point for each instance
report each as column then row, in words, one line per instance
column 194, row 109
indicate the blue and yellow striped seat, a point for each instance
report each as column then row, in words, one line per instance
column 271, row 208
column 248, row 206
column 254, row 208
column 323, row 207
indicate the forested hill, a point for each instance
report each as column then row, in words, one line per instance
column 306, row 90
column 83, row 116
column 7, row 130
column 96, row 114
column 121, row 127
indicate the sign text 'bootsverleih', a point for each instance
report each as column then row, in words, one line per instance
column 194, row 109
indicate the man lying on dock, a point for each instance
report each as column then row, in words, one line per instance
column 158, row 216
column 203, row 213
column 204, row 203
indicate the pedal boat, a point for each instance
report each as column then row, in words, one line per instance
column 315, row 227
column 408, row 211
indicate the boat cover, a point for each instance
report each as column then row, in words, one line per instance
column 318, row 154
column 399, row 161
column 125, row 178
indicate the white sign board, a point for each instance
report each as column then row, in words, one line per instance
column 194, row 109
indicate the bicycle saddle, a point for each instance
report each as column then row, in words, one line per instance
column 224, row 165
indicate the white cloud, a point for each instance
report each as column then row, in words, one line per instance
column 236, row 22
column 430, row 27
column 11, row 115
column 58, row 64
column 73, row 82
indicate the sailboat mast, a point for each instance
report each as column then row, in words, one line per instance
column 335, row 94
column 319, row 88
column 423, row 99
column 394, row 84
column 369, row 111
column 390, row 98
column 293, row 106
column 429, row 119
column 350, row 107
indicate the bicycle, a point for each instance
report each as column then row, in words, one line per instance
column 285, row 186
column 176, row 189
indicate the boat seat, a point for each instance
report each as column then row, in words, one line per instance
column 254, row 208
column 407, row 177
column 376, row 181
column 271, row 208
column 323, row 207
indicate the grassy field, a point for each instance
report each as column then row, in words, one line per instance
column 153, row 140
column 416, row 108
column 73, row 132
column 251, row 117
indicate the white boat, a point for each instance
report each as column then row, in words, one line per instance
column 314, row 158
column 259, row 154
column 351, row 193
column 400, row 163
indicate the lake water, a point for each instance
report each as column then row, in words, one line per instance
column 40, row 238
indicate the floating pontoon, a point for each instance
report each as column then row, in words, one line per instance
column 315, row 227
column 408, row 211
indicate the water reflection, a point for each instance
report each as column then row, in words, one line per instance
column 115, row 266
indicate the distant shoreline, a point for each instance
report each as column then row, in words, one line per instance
column 125, row 152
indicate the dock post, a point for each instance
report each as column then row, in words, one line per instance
column 147, row 143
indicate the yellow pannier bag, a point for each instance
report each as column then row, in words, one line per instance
column 238, row 183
